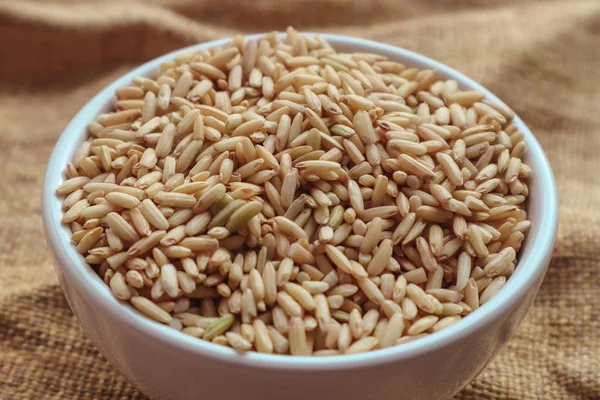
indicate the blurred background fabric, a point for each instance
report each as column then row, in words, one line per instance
column 541, row 57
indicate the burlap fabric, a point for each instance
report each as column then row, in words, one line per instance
column 542, row 58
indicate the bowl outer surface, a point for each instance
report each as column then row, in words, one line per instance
column 166, row 364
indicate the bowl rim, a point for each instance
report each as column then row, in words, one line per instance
column 80, row 274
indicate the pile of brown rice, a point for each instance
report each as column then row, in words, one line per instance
column 277, row 196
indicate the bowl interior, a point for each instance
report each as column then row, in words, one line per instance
column 536, row 249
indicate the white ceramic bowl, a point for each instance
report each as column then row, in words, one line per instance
column 166, row 364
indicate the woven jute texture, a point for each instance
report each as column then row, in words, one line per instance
column 541, row 57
